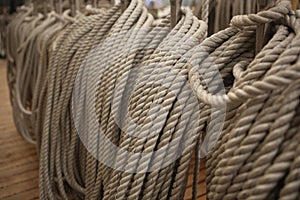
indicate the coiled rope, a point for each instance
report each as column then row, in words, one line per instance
column 90, row 178
column 254, row 155
column 139, row 81
column 24, row 67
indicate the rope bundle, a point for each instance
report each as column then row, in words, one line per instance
column 256, row 155
column 30, row 35
column 65, row 165
column 16, row 35
column 28, row 39
column 118, row 106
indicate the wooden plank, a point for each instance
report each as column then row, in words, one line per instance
column 28, row 157
column 18, row 159
column 15, row 189
column 27, row 194
column 15, row 171
column 22, row 177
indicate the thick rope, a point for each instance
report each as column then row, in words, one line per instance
column 142, row 104
column 92, row 177
column 248, row 163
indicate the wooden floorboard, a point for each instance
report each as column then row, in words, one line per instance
column 19, row 161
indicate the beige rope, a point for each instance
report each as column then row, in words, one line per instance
column 257, row 152
column 246, row 164
column 99, row 182
column 36, row 32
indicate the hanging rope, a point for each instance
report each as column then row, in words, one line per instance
column 96, row 176
column 254, row 155
column 34, row 32
column 84, row 84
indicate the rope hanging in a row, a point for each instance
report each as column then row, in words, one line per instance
column 257, row 155
column 118, row 106
column 29, row 29
column 31, row 36
column 144, row 53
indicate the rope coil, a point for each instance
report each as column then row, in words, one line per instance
column 82, row 85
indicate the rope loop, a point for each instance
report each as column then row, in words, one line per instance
column 278, row 12
column 281, row 14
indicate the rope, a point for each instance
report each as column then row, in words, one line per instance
column 111, row 78
column 93, row 181
column 257, row 145
column 26, row 68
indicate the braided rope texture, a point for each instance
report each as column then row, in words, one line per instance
column 255, row 156
column 61, row 47
column 52, row 58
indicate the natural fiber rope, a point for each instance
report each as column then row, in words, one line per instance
column 89, row 23
column 27, row 66
column 12, row 44
column 260, row 182
column 90, row 180
column 133, row 100
column 257, row 152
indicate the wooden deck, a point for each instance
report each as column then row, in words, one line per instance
column 19, row 162
column 18, row 159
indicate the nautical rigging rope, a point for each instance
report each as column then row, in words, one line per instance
column 158, row 94
column 254, row 154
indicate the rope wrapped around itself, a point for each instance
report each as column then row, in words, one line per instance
column 29, row 35
column 256, row 155
column 88, row 50
column 118, row 106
